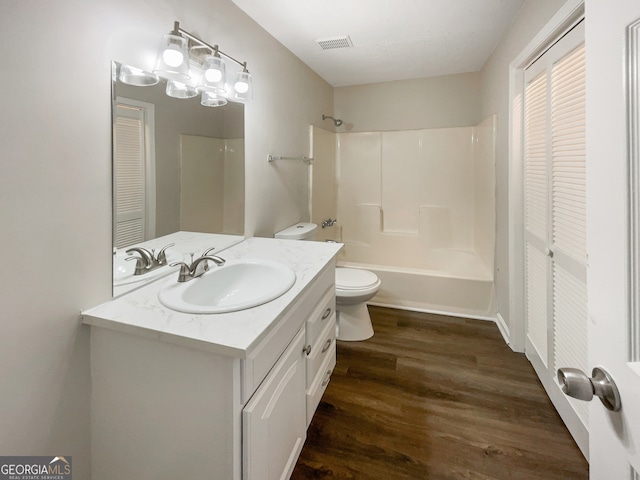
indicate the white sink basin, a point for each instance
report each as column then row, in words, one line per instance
column 237, row 285
column 123, row 270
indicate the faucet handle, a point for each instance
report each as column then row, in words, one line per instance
column 329, row 223
column 162, row 256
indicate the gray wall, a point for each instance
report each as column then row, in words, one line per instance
column 434, row 102
column 55, row 184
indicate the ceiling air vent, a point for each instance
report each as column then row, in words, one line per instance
column 335, row 42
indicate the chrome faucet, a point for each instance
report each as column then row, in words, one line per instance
column 148, row 260
column 143, row 262
column 329, row 223
column 197, row 267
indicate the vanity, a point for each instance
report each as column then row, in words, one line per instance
column 213, row 396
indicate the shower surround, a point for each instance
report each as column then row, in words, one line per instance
column 417, row 208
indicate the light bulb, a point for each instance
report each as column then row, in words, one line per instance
column 172, row 57
column 241, row 86
column 213, row 75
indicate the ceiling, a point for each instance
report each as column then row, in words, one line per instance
column 392, row 40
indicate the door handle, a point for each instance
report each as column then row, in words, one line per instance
column 575, row 383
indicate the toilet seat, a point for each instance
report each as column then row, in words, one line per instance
column 351, row 282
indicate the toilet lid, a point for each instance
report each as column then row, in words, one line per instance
column 354, row 278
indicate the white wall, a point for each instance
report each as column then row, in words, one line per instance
column 55, row 184
column 533, row 15
column 434, row 102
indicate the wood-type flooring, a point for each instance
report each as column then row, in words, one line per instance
column 433, row 397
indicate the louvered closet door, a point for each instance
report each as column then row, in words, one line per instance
column 536, row 209
column 555, row 217
column 129, row 175
column 569, row 216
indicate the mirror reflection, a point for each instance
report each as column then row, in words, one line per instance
column 178, row 166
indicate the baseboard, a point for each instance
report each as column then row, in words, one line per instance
column 436, row 312
column 504, row 330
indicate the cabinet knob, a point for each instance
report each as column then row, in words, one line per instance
column 327, row 345
column 327, row 312
column 307, row 349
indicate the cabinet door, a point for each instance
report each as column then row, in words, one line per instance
column 274, row 420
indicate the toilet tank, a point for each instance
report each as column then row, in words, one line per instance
column 299, row 231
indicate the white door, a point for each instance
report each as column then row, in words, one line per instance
column 555, row 220
column 274, row 422
column 133, row 172
column 614, row 333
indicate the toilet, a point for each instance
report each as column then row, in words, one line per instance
column 354, row 287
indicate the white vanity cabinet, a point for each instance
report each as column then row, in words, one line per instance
column 165, row 408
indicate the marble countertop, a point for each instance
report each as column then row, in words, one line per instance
column 233, row 334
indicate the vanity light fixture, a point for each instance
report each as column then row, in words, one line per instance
column 242, row 86
column 213, row 73
column 208, row 72
column 193, row 67
column 172, row 61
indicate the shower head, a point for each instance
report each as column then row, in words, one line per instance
column 336, row 121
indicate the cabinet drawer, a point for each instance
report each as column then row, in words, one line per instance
column 319, row 385
column 321, row 314
column 321, row 348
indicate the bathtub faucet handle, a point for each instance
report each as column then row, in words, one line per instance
column 329, row 223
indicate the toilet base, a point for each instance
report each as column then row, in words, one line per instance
column 354, row 323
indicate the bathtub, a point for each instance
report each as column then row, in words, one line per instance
column 448, row 282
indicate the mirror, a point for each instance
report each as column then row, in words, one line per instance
column 178, row 166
